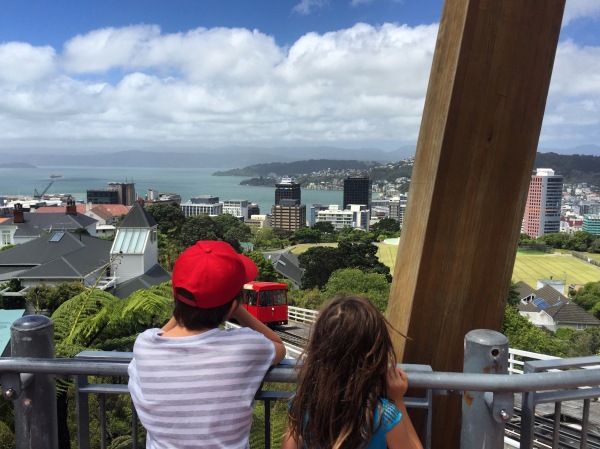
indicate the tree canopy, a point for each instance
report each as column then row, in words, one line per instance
column 320, row 262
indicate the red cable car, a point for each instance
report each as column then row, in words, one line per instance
column 267, row 301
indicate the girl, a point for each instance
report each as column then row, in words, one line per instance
column 350, row 393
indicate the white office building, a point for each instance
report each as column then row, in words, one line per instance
column 356, row 216
column 204, row 204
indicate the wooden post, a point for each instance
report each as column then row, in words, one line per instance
column 479, row 134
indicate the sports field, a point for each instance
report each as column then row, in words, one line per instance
column 530, row 267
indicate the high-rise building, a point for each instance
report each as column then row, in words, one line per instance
column 357, row 190
column 542, row 210
column 591, row 224
column 287, row 189
column 103, row 196
column 126, row 192
column 288, row 214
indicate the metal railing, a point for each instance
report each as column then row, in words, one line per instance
column 302, row 315
column 27, row 379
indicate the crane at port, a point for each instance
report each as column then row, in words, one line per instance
column 39, row 195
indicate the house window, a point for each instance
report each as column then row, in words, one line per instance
column 580, row 327
column 6, row 237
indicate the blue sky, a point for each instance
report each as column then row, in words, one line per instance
column 86, row 75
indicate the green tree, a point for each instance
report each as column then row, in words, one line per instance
column 307, row 235
column 49, row 298
column 385, row 225
column 318, row 263
column 580, row 241
column 307, row 299
column 232, row 228
column 354, row 281
column 266, row 270
column 168, row 216
column 584, row 343
column 557, row 240
column 325, row 227
column 595, row 246
column 523, row 335
column 199, row 227
column 363, row 255
column 513, row 295
column 169, row 249
column 588, row 296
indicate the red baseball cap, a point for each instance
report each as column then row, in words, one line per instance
column 212, row 272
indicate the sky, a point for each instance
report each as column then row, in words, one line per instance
column 97, row 75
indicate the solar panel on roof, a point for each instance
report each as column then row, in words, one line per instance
column 57, row 236
column 541, row 304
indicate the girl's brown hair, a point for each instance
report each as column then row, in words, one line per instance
column 342, row 377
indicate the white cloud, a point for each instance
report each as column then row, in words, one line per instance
column 21, row 63
column 576, row 9
column 306, row 7
column 137, row 86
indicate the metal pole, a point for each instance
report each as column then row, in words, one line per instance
column 35, row 409
column 483, row 415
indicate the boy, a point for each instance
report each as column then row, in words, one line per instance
column 193, row 384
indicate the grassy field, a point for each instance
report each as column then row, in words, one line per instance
column 529, row 267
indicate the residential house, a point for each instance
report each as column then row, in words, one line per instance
column 546, row 307
column 121, row 267
column 135, row 252
column 25, row 226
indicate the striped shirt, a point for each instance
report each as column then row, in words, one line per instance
column 198, row 391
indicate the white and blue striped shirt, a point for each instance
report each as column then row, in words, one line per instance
column 198, row 391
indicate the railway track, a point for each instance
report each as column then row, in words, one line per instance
column 290, row 338
column 569, row 437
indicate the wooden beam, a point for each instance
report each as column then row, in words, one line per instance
column 479, row 134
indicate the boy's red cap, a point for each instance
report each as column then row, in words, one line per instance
column 213, row 272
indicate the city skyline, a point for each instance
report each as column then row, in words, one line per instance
column 90, row 76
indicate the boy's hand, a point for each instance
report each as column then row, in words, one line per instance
column 397, row 384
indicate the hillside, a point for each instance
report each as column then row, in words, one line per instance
column 574, row 167
column 298, row 168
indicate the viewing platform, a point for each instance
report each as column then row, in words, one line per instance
column 557, row 405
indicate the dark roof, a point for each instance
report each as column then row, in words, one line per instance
column 561, row 308
column 286, row 264
column 70, row 256
column 35, row 224
column 154, row 276
column 523, row 289
column 138, row 218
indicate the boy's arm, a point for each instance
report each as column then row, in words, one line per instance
column 403, row 434
column 244, row 318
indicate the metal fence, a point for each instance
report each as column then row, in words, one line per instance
column 488, row 392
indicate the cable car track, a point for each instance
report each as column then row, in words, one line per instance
column 289, row 337
column 569, row 437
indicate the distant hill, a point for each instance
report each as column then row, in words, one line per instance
column 217, row 158
column 298, row 168
column 574, row 167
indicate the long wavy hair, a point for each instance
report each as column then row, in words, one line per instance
column 342, row 376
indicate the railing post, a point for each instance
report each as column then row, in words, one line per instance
column 484, row 414
column 35, row 409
